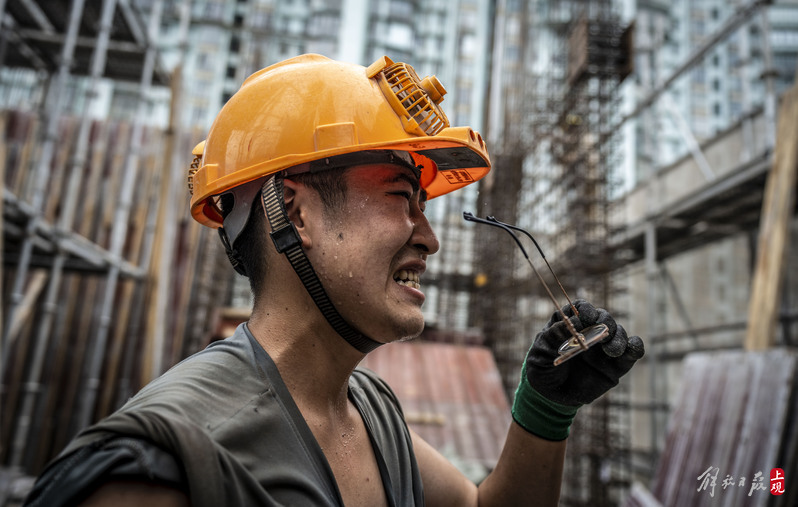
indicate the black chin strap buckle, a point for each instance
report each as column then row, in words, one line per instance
column 286, row 237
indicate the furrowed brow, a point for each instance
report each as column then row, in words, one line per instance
column 401, row 176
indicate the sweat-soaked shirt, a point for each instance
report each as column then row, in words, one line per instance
column 222, row 426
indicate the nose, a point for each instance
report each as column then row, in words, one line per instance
column 423, row 237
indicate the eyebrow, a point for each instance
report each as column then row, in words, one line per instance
column 403, row 176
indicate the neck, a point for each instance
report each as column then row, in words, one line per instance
column 313, row 360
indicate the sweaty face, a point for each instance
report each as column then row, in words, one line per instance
column 371, row 254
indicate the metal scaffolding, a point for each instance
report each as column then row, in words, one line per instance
column 595, row 55
column 555, row 139
column 83, row 208
column 554, row 158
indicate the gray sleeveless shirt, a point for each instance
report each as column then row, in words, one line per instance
column 222, row 425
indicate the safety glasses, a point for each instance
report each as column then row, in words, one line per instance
column 580, row 341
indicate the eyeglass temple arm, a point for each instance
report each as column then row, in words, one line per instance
column 471, row 218
column 491, row 218
column 495, row 223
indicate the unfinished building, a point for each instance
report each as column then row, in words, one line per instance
column 559, row 163
column 646, row 196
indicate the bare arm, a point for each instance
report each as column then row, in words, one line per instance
column 529, row 467
column 136, row 494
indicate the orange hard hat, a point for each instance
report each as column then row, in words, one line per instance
column 309, row 108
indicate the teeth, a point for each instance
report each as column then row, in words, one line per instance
column 408, row 283
column 407, row 278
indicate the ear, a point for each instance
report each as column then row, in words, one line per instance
column 296, row 206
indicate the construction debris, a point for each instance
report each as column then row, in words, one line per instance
column 733, row 422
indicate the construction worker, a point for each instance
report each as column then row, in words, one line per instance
column 317, row 175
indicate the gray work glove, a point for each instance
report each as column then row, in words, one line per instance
column 548, row 396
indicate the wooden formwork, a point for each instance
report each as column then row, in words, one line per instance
column 56, row 394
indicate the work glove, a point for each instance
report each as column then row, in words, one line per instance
column 549, row 396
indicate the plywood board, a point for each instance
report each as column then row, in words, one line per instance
column 730, row 421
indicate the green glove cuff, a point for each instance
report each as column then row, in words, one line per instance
column 539, row 415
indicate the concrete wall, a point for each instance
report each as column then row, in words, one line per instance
column 708, row 290
column 724, row 153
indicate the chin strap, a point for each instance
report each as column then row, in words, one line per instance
column 287, row 241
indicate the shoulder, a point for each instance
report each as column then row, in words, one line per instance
column 205, row 391
column 372, row 384
column 375, row 399
column 224, row 371
column 225, row 356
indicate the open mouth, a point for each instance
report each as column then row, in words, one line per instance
column 407, row 278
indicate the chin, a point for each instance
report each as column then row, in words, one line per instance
column 391, row 327
column 408, row 338
column 411, row 332
column 403, row 332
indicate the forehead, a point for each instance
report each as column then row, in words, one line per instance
column 380, row 170
column 383, row 174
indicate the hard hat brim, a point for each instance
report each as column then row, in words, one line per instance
column 458, row 158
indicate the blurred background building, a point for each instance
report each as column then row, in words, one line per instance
column 632, row 138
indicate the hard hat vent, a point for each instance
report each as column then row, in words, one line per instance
column 195, row 165
column 418, row 99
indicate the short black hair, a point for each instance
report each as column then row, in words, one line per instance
column 251, row 244
column 328, row 184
